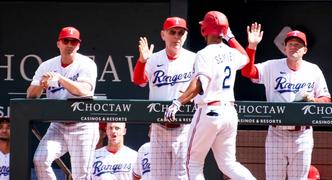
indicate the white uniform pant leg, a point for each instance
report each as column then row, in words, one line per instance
column 160, row 152
column 202, row 135
column 224, row 147
column 275, row 155
column 82, row 139
column 300, row 156
column 179, row 153
column 51, row 147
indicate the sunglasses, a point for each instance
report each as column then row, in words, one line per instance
column 173, row 32
column 73, row 42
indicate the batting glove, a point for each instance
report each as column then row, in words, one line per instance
column 229, row 35
column 171, row 111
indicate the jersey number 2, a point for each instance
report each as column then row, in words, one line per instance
column 227, row 72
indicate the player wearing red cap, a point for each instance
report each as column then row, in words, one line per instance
column 288, row 148
column 214, row 125
column 69, row 75
column 168, row 72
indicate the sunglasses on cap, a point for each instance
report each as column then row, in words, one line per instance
column 73, row 42
column 173, row 32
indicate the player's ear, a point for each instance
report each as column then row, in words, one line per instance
column 162, row 34
column 305, row 50
column 58, row 44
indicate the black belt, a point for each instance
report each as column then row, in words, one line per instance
column 297, row 128
column 170, row 125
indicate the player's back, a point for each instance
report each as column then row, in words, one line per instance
column 219, row 63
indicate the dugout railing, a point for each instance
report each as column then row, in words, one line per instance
column 24, row 111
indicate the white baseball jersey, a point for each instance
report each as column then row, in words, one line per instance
column 4, row 166
column 218, row 63
column 285, row 85
column 215, row 126
column 288, row 152
column 142, row 166
column 109, row 166
column 166, row 79
column 82, row 69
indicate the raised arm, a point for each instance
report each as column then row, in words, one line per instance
column 232, row 42
column 139, row 76
column 255, row 36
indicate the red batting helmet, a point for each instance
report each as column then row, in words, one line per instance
column 69, row 32
column 214, row 23
column 313, row 173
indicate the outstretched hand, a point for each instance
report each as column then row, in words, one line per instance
column 144, row 50
column 255, row 35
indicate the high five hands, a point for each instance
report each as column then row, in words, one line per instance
column 144, row 50
column 255, row 35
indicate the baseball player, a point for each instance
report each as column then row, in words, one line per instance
column 69, row 75
column 114, row 161
column 168, row 72
column 214, row 124
column 4, row 148
column 288, row 148
column 142, row 166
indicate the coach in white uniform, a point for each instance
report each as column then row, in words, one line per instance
column 214, row 124
column 70, row 75
column 168, row 73
column 288, row 148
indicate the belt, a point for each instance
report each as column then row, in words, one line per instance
column 296, row 128
column 68, row 123
column 218, row 103
column 214, row 103
column 170, row 125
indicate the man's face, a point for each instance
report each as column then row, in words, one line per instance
column 4, row 131
column 295, row 48
column 115, row 133
column 68, row 46
column 174, row 38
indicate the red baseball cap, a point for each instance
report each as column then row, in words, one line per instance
column 69, row 32
column 313, row 173
column 172, row 22
column 297, row 34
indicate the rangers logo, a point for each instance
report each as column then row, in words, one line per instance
column 284, row 86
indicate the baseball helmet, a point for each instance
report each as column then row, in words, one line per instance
column 69, row 32
column 313, row 173
column 296, row 34
column 214, row 23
